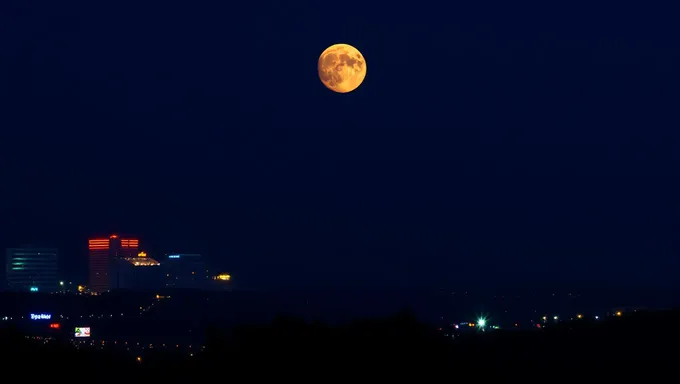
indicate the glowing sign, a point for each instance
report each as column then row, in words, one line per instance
column 82, row 332
column 223, row 277
column 55, row 325
column 173, row 257
column 40, row 316
column 34, row 289
column 141, row 254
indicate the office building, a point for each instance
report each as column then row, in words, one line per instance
column 186, row 271
column 105, row 255
column 32, row 269
column 140, row 273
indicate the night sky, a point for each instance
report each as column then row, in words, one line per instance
column 491, row 144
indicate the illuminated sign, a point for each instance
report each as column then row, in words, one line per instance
column 40, row 316
column 34, row 289
column 55, row 325
column 141, row 254
column 173, row 257
column 82, row 332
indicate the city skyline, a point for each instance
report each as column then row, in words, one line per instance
column 104, row 255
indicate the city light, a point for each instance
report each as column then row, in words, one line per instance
column 98, row 244
column 129, row 243
column 481, row 322
column 223, row 277
column 34, row 289
column 173, row 257
column 41, row 316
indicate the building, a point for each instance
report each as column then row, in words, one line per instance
column 99, row 265
column 105, row 256
column 186, row 271
column 32, row 269
column 140, row 273
column 221, row 282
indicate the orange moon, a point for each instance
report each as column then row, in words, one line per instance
column 342, row 68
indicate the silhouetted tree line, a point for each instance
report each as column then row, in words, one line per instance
column 396, row 347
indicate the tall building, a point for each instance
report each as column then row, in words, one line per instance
column 186, row 271
column 99, row 265
column 105, row 256
column 32, row 269
column 121, row 250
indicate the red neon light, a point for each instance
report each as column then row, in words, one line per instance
column 55, row 325
column 129, row 243
column 98, row 243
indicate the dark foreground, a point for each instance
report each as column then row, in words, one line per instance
column 394, row 348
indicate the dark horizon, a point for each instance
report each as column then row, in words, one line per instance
column 494, row 144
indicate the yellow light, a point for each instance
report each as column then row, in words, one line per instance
column 618, row 313
column 224, row 277
column 579, row 316
column 141, row 254
column 139, row 359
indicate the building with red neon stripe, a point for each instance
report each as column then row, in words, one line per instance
column 104, row 257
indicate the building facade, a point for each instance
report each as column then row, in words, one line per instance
column 32, row 269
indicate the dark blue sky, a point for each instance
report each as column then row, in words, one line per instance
column 494, row 144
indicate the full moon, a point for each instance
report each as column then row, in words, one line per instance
column 342, row 68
